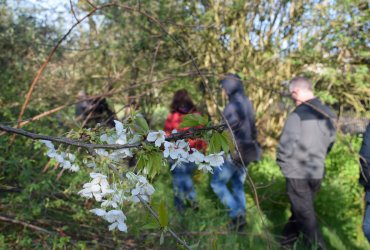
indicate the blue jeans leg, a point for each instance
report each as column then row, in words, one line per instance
column 237, row 186
column 183, row 184
column 235, row 200
column 366, row 222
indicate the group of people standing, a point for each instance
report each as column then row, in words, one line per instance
column 308, row 136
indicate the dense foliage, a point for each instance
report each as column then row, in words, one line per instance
column 143, row 62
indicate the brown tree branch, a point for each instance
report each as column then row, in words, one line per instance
column 43, row 66
column 90, row 146
column 25, row 224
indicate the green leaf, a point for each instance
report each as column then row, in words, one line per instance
column 163, row 214
column 141, row 122
column 229, row 140
column 152, row 225
column 193, row 120
column 155, row 162
column 215, row 143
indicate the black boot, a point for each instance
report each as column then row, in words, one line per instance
column 238, row 223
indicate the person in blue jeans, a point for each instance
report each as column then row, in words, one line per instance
column 239, row 116
column 183, row 186
column 233, row 199
column 184, row 191
column 365, row 179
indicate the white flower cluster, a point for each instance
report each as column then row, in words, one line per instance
column 116, row 217
column 66, row 160
column 97, row 188
column 100, row 190
column 142, row 187
column 180, row 149
column 120, row 137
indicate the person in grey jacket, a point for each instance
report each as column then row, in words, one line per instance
column 308, row 135
column 239, row 114
column 365, row 179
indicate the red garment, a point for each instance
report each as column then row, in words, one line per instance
column 173, row 121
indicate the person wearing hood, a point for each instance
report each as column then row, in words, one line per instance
column 240, row 118
column 182, row 175
column 308, row 136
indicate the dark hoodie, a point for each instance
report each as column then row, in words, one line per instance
column 239, row 111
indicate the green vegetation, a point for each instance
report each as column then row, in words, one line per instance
column 143, row 62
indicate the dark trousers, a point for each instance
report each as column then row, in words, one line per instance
column 301, row 193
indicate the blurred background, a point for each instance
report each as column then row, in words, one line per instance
column 135, row 55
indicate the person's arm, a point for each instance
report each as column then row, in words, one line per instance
column 252, row 120
column 289, row 138
column 231, row 117
column 168, row 124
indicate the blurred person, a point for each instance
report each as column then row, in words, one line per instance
column 182, row 181
column 92, row 111
column 308, row 136
column 365, row 179
column 240, row 117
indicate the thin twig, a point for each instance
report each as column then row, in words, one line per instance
column 91, row 4
column 25, row 224
column 43, row 66
column 73, row 11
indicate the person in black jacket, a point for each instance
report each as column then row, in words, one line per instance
column 365, row 179
column 239, row 114
column 308, row 136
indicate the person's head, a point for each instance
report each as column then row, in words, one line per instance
column 81, row 95
column 300, row 89
column 232, row 84
column 182, row 102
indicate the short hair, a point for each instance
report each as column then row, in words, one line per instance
column 301, row 83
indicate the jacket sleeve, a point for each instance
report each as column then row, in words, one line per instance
column 252, row 120
column 168, row 124
column 289, row 138
column 231, row 117
column 365, row 155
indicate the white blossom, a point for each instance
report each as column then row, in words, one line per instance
column 119, row 128
column 116, row 217
column 170, row 150
column 179, row 163
column 182, row 148
column 74, row 168
column 122, row 139
column 98, row 212
column 97, row 188
column 196, row 156
column 205, row 167
column 48, row 144
column 215, row 160
column 117, row 198
column 102, row 152
column 179, row 149
column 142, row 187
column 157, row 137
